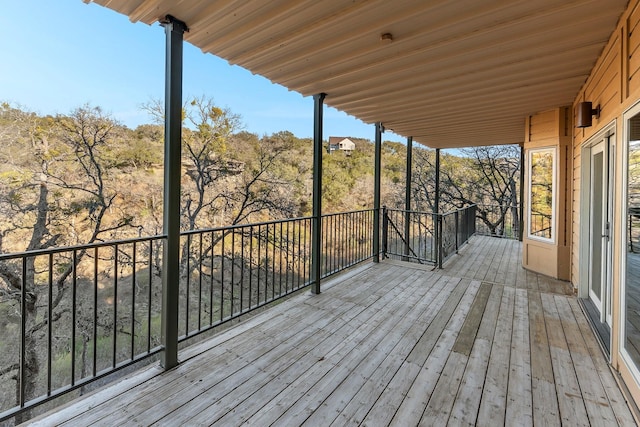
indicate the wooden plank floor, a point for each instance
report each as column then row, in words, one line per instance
column 387, row 344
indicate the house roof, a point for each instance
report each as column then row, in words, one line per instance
column 338, row 139
column 450, row 73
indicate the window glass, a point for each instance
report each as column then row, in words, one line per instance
column 632, row 282
column 541, row 190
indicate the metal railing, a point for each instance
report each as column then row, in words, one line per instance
column 426, row 237
column 498, row 221
column 78, row 314
column 230, row 271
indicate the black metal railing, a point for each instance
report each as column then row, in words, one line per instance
column 230, row 271
column 425, row 237
column 75, row 315
column 498, row 221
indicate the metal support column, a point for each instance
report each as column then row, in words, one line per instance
column 376, row 192
column 521, row 225
column 407, row 199
column 174, row 30
column 316, row 239
column 436, row 211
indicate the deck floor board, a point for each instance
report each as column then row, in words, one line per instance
column 481, row 342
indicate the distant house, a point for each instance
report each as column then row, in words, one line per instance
column 339, row 143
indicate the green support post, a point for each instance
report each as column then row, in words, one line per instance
column 407, row 199
column 174, row 30
column 316, row 239
column 376, row 192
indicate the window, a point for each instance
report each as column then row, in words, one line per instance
column 541, row 193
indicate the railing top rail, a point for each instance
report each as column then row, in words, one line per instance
column 238, row 226
column 348, row 212
column 47, row 251
column 432, row 213
column 40, row 252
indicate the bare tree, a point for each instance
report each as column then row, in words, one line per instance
column 68, row 182
column 486, row 176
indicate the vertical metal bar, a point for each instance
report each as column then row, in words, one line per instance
column 242, row 265
column 211, row 281
column 49, row 323
column 174, row 30
column 286, row 259
column 95, row 311
column 385, row 225
column 259, row 265
column 188, row 292
column 222, row 238
column 251, row 265
column 266, row 262
column 457, row 219
column 74, row 298
column 376, row 192
column 299, row 233
column 407, row 197
column 23, row 332
column 316, row 239
column 436, row 211
column 133, row 304
column 200, row 258
column 273, row 263
column 280, row 266
column 115, row 307
column 233, row 270
column 150, row 295
column 521, row 225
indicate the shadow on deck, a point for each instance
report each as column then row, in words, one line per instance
column 482, row 342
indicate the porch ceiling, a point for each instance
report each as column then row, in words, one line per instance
column 457, row 73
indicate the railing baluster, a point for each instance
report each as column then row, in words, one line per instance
column 50, row 323
column 200, row 259
column 95, row 310
column 233, row 271
column 23, row 332
column 74, row 299
column 211, row 281
column 188, row 293
column 259, row 264
column 149, row 296
column 280, row 266
column 242, row 268
column 133, row 303
column 115, row 307
column 273, row 263
column 251, row 266
column 222, row 277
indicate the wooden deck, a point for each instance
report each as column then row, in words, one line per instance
column 481, row 343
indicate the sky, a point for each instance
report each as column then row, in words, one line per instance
column 59, row 55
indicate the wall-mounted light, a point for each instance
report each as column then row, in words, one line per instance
column 386, row 37
column 585, row 112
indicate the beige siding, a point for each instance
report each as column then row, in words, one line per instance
column 614, row 84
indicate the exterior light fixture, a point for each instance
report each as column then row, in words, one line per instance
column 585, row 112
column 386, row 38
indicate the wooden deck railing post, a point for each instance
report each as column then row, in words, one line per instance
column 174, row 30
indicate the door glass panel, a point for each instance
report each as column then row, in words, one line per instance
column 632, row 282
column 596, row 225
column 541, row 172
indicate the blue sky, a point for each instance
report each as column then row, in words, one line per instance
column 58, row 55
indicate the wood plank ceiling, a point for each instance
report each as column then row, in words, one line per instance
column 457, row 72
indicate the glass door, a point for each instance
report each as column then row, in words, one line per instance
column 599, row 226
